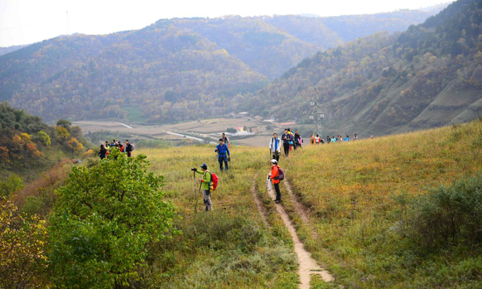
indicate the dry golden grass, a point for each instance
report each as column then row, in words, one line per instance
column 350, row 189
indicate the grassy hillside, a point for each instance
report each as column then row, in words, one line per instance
column 230, row 246
column 364, row 198
column 370, row 211
column 428, row 76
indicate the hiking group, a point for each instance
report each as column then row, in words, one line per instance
column 316, row 139
column 107, row 148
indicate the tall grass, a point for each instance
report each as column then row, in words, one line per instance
column 353, row 191
column 229, row 247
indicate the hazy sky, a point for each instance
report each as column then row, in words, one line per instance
column 28, row 21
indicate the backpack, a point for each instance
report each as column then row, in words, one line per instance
column 281, row 175
column 214, row 182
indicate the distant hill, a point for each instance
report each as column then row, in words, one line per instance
column 5, row 50
column 173, row 70
column 427, row 76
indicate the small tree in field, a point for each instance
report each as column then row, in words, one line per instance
column 103, row 221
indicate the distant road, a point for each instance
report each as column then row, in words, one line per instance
column 123, row 124
column 186, row 136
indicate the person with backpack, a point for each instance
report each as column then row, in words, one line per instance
column 296, row 140
column 102, row 152
column 276, row 175
column 129, row 148
column 226, row 140
column 206, row 185
column 286, row 138
column 275, row 146
column 223, row 155
column 299, row 141
column 121, row 147
column 292, row 139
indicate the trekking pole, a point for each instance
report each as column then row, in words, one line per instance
column 195, row 196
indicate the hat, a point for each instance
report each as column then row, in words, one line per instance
column 273, row 161
column 204, row 166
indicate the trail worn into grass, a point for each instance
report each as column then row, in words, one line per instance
column 300, row 209
column 307, row 265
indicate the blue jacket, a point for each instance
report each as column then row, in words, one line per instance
column 222, row 150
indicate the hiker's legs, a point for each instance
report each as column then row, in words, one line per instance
column 226, row 163
column 220, row 160
column 286, row 148
column 278, row 193
column 207, row 200
column 276, row 156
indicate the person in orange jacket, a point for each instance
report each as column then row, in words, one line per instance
column 274, row 176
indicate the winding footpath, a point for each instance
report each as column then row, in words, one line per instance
column 307, row 265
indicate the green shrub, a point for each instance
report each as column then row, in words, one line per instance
column 12, row 184
column 448, row 216
column 104, row 219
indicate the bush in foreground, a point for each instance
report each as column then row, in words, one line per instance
column 103, row 222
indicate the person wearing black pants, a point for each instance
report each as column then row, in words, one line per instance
column 286, row 138
column 274, row 176
column 223, row 155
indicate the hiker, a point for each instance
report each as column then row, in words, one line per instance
column 347, row 138
column 128, row 148
column 102, row 152
column 333, row 139
column 223, row 154
column 121, row 147
column 275, row 146
column 274, row 175
column 300, row 140
column 113, row 144
column 297, row 139
column 317, row 139
column 286, row 137
column 312, row 139
column 328, row 139
column 355, row 137
column 226, row 140
column 205, row 185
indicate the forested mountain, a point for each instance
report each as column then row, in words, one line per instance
column 173, row 70
column 5, row 50
column 428, row 76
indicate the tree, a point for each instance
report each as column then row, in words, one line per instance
column 74, row 145
column 64, row 123
column 12, row 184
column 22, row 242
column 45, row 138
column 103, row 221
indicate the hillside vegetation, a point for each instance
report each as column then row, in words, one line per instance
column 427, row 76
column 28, row 146
column 394, row 212
column 176, row 69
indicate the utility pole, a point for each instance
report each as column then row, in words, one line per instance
column 316, row 114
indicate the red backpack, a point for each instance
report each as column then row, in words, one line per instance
column 214, row 182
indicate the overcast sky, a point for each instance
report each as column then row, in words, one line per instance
column 28, row 21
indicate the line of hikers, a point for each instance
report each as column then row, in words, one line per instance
column 289, row 141
column 106, row 149
column 316, row 139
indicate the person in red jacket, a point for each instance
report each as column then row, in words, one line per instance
column 274, row 176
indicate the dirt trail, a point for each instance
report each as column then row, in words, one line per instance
column 307, row 264
column 259, row 204
column 300, row 209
